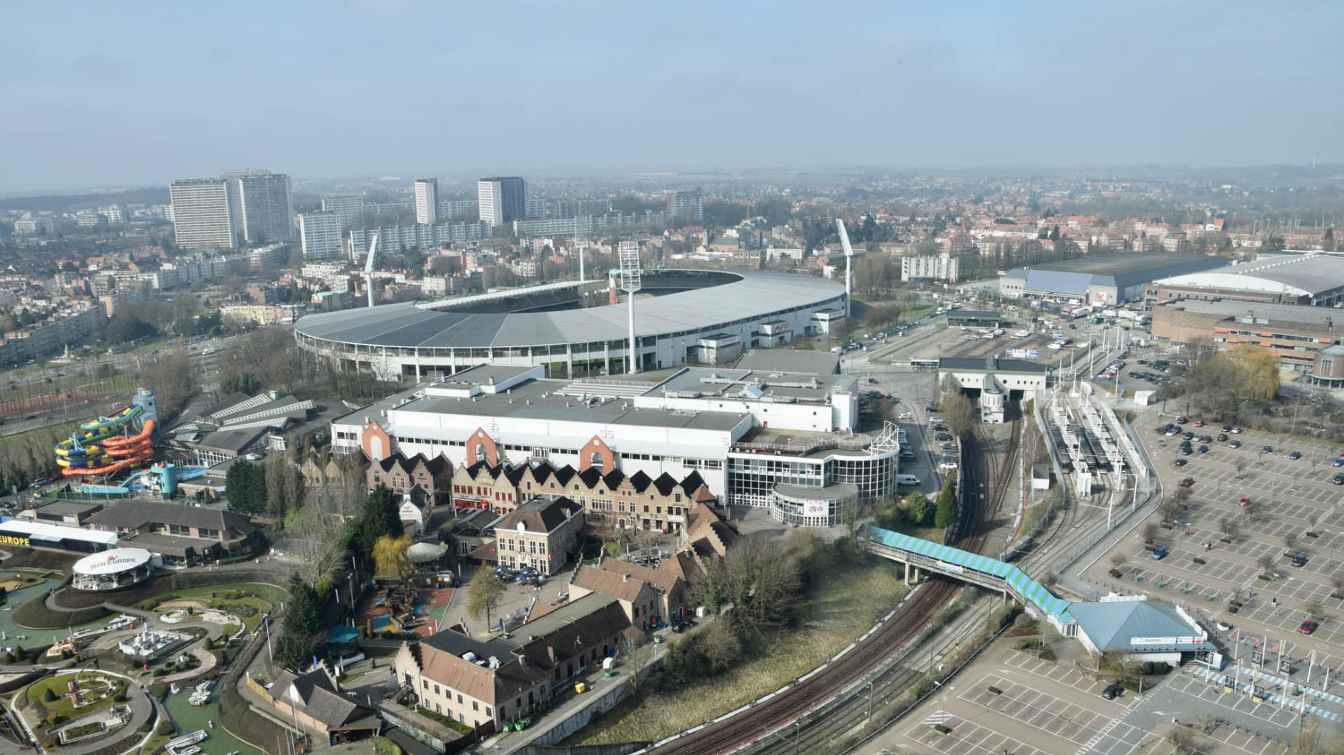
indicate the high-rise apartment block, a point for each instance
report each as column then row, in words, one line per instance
column 457, row 209
column 320, row 235
column 502, row 199
column 427, row 201
column 204, row 214
column 942, row 267
column 687, row 206
column 350, row 207
column 265, row 209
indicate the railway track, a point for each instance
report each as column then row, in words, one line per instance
column 788, row 707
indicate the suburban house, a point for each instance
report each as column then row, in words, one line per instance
column 315, row 702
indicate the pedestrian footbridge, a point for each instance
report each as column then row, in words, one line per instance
column 920, row 555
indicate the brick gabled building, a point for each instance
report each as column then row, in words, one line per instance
column 487, row 684
column 623, row 501
column 429, row 479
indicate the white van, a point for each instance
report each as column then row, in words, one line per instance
column 907, row 479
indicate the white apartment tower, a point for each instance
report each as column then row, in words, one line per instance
column 427, row 201
column 502, row 199
column 320, row 235
column 942, row 267
column 262, row 201
column 205, row 215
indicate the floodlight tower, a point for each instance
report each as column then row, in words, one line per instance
column 630, row 283
column 849, row 264
column 368, row 266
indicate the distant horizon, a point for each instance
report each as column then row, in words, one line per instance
column 1091, row 171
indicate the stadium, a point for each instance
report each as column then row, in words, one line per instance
column 681, row 316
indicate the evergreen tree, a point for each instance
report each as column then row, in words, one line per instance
column 301, row 631
column 245, row 485
column 946, row 512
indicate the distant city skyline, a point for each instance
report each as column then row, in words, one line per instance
column 603, row 89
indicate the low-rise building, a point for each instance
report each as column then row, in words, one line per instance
column 638, row 598
column 541, row 533
column 316, row 703
column 485, row 685
column 1295, row 333
column 176, row 531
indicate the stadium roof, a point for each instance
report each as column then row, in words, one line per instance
column 1307, row 274
column 752, row 296
column 1024, row 585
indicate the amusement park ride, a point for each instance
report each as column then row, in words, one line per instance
column 108, row 445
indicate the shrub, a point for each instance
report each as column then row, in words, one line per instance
column 48, row 696
column 165, row 728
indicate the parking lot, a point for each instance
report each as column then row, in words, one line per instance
column 1218, row 549
column 1012, row 701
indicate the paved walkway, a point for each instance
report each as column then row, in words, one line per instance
column 207, row 660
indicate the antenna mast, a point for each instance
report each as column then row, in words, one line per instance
column 630, row 283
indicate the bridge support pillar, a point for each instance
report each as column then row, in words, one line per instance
column 907, row 572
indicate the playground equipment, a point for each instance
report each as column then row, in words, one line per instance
column 108, row 445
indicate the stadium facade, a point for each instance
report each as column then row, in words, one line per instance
column 683, row 310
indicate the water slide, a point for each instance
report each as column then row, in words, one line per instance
column 116, row 454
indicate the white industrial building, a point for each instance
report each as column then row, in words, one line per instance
column 994, row 381
column 745, row 432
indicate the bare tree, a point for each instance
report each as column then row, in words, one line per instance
column 1184, row 741
column 1290, row 540
column 1119, row 558
column 1230, row 529
column 1266, row 565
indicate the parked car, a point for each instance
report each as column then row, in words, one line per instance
column 1295, row 455
column 1222, row 437
column 1181, row 462
column 1338, row 462
column 1113, row 690
column 1338, row 479
column 1307, row 627
column 1188, row 435
column 1188, row 482
column 1160, row 552
column 1267, row 449
column 1234, row 444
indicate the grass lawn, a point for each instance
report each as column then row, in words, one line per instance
column 842, row 608
column 256, row 596
column 62, row 706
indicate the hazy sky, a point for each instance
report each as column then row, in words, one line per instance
column 140, row 93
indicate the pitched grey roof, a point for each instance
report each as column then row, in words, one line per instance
column 1113, row 625
column 752, row 296
column 133, row 514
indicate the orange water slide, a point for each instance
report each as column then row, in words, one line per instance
column 140, row 438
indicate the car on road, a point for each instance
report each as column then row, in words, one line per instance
column 1187, row 482
column 1307, row 627
column 1113, row 690
column 1295, row 455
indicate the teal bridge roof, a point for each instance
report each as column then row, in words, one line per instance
column 1023, row 585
